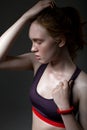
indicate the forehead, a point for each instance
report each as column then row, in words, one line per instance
column 37, row 31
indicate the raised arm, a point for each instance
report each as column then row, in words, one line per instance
column 7, row 39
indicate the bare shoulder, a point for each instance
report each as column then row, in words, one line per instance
column 80, row 87
column 81, row 84
column 82, row 80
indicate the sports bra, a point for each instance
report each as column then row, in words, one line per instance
column 46, row 109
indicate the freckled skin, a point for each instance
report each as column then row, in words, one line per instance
column 60, row 67
column 42, row 43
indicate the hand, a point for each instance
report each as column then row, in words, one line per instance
column 61, row 95
column 38, row 7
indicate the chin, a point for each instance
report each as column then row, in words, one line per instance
column 43, row 61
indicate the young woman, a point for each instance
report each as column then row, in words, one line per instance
column 58, row 93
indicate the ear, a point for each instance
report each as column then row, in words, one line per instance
column 61, row 40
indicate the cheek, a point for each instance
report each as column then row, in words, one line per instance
column 47, row 54
column 49, row 51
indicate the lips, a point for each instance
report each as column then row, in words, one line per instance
column 37, row 57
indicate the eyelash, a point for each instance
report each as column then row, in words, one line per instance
column 36, row 41
column 39, row 42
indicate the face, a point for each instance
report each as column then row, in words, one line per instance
column 43, row 45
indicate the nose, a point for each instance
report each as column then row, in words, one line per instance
column 34, row 48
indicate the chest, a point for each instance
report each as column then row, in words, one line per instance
column 48, row 82
column 41, row 93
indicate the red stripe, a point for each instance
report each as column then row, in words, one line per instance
column 47, row 120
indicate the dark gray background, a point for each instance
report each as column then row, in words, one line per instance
column 15, row 107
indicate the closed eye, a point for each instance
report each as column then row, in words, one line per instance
column 38, row 41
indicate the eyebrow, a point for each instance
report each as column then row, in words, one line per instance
column 36, row 39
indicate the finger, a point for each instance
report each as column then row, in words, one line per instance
column 58, row 87
column 60, row 84
column 47, row 3
column 53, row 3
column 70, row 83
column 65, row 84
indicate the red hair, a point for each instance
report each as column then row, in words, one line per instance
column 63, row 21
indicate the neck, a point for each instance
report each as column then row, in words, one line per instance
column 62, row 62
